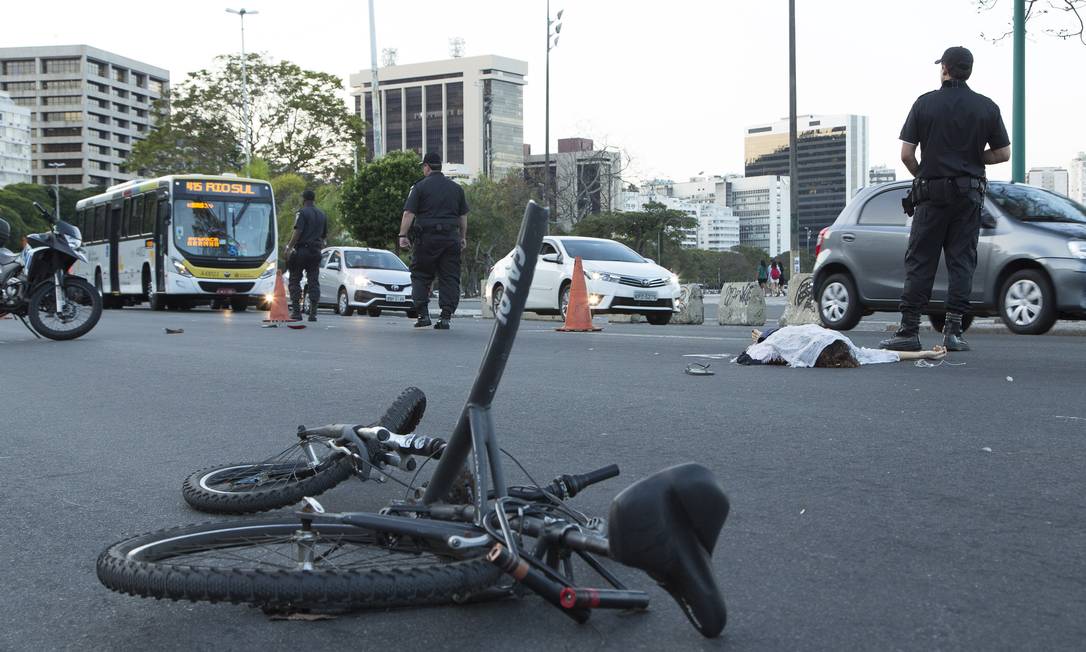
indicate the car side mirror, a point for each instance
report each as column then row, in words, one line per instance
column 551, row 258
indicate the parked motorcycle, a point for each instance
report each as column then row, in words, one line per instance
column 35, row 283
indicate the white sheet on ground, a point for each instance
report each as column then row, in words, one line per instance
column 799, row 346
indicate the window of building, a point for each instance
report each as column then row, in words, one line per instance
column 120, row 75
column 61, row 132
column 50, row 66
column 123, row 94
column 123, row 124
column 99, row 165
column 413, row 98
column 121, row 138
column 19, row 67
column 884, row 209
column 156, row 86
column 435, row 120
column 61, row 99
column 120, row 108
column 19, row 86
column 454, row 111
column 97, row 68
column 52, row 148
column 63, row 116
column 140, row 99
column 139, row 79
column 63, row 84
column 393, row 120
column 25, row 101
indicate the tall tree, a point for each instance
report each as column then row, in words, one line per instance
column 643, row 230
column 1062, row 19
column 371, row 202
column 298, row 122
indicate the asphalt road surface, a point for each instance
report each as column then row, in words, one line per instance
column 887, row 507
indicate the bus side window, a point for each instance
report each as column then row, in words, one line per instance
column 149, row 214
column 135, row 222
column 126, row 213
column 100, row 223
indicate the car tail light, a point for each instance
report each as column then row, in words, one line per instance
column 821, row 239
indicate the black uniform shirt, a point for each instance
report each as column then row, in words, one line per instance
column 952, row 126
column 311, row 224
column 435, row 199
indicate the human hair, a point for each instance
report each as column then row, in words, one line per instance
column 838, row 356
column 957, row 73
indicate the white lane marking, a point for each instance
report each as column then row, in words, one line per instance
column 659, row 337
column 710, row 356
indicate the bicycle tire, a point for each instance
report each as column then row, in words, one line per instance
column 273, row 483
column 181, row 563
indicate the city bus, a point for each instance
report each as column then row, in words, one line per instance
column 181, row 241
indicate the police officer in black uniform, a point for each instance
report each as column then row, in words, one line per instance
column 952, row 126
column 303, row 254
column 436, row 212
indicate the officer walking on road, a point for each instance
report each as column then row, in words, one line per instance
column 436, row 212
column 303, row 254
column 952, row 126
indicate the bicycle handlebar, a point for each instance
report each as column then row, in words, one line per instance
column 566, row 486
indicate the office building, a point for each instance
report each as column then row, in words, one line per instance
column 1051, row 178
column 881, row 174
column 717, row 228
column 762, row 207
column 14, row 142
column 87, row 108
column 1076, row 178
column 833, row 161
column 470, row 110
column 587, row 181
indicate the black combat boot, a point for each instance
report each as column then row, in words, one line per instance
column 423, row 321
column 443, row 323
column 295, row 312
column 907, row 337
column 952, row 333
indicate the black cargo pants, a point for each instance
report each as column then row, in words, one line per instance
column 436, row 254
column 305, row 259
column 951, row 228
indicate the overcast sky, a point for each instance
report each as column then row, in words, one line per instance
column 673, row 83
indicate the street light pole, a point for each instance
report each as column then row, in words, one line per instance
column 246, row 127
column 793, row 154
column 547, row 176
column 56, row 165
column 375, row 92
column 1018, row 125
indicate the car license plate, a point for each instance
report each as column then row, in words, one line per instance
column 395, row 298
column 226, row 291
column 644, row 296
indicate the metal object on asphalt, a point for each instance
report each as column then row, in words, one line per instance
column 174, row 331
column 699, row 369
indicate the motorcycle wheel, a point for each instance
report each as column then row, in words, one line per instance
column 83, row 309
column 256, row 562
column 286, row 478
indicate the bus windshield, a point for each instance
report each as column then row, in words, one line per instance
column 222, row 228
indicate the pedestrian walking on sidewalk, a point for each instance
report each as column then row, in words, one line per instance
column 436, row 212
column 303, row 254
column 952, row 126
column 763, row 276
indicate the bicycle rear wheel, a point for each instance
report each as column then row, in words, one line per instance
column 276, row 565
column 284, row 479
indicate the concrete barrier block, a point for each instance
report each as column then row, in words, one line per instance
column 690, row 306
column 801, row 307
column 626, row 318
column 532, row 316
column 741, row 304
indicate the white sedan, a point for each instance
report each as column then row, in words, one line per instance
column 363, row 279
column 618, row 279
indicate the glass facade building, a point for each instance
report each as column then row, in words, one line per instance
column 832, row 156
column 468, row 110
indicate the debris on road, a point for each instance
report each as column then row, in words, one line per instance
column 1010, row 379
column 174, row 331
column 987, row 449
column 698, row 369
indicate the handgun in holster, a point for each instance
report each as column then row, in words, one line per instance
column 909, row 201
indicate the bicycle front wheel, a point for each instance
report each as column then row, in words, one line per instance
column 308, row 468
column 279, row 566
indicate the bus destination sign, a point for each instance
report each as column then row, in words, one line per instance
column 222, row 188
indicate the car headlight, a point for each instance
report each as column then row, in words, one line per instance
column 361, row 282
column 674, row 279
column 1077, row 248
column 180, row 268
column 268, row 273
column 606, row 277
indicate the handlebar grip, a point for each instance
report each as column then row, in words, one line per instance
column 592, row 477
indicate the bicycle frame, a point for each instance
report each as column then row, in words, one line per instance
column 474, row 434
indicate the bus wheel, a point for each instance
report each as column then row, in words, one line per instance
column 239, row 305
column 154, row 300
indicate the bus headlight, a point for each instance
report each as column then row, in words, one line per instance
column 268, row 273
column 180, row 268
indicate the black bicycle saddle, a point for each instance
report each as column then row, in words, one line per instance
column 667, row 525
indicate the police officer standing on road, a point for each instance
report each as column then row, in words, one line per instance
column 436, row 212
column 952, row 126
column 303, row 254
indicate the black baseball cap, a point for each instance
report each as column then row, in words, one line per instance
column 433, row 160
column 957, row 58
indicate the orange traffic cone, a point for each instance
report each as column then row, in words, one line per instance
column 578, row 314
column 278, row 311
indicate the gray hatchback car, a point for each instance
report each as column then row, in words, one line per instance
column 1031, row 259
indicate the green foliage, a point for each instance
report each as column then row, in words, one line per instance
column 298, row 122
column 497, row 207
column 371, row 202
column 641, row 230
column 17, row 207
